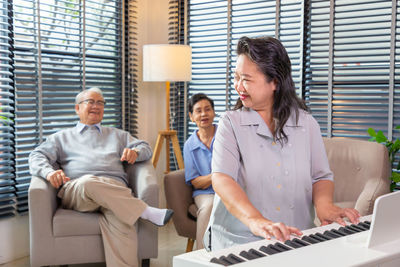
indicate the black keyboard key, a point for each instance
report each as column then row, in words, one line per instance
column 234, row 258
column 347, row 230
column 365, row 225
column 330, row 234
column 269, row 250
column 310, row 239
column 251, row 254
column 338, row 232
column 300, row 242
column 352, row 227
column 292, row 244
column 247, row 255
column 217, row 261
column 359, row 227
column 256, row 253
column 226, row 261
column 281, row 246
column 367, row 222
column 362, row 227
column 324, row 236
column 320, row 239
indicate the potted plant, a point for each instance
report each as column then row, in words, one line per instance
column 393, row 147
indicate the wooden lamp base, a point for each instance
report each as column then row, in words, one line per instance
column 169, row 136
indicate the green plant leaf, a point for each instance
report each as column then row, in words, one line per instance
column 395, row 177
column 392, row 187
column 4, row 120
column 380, row 137
column 397, row 127
column 396, row 145
column 372, row 132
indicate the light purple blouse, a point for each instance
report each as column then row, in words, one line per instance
column 277, row 179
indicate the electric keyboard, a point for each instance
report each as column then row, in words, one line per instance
column 329, row 245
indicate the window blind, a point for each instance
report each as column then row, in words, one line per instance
column 396, row 73
column 7, row 156
column 61, row 47
column 344, row 73
column 251, row 19
column 216, row 26
column 317, row 52
column 176, row 35
column 207, row 33
column 344, row 53
column 131, row 65
column 348, row 73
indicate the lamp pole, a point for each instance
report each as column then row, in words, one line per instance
column 163, row 62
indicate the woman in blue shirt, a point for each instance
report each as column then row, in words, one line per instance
column 197, row 154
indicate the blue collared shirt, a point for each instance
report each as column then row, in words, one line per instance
column 197, row 159
column 80, row 127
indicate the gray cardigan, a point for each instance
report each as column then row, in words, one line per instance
column 88, row 151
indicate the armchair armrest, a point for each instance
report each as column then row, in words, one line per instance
column 179, row 198
column 42, row 199
column 371, row 191
column 143, row 181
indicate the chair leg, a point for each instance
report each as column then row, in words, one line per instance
column 189, row 246
column 145, row 262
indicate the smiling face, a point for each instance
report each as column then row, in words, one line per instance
column 90, row 114
column 203, row 114
column 252, row 86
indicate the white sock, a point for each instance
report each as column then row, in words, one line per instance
column 154, row 215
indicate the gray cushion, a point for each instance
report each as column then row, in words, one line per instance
column 74, row 223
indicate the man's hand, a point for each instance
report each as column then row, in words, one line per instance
column 129, row 155
column 57, row 178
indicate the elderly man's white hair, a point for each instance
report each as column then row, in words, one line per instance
column 79, row 96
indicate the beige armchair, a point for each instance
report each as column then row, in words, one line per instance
column 59, row 236
column 361, row 172
column 179, row 198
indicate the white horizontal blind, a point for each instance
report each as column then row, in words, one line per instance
column 396, row 90
column 61, row 47
column 317, row 63
column 7, row 182
column 291, row 35
column 251, row 19
column 131, row 65
column 176, row 35
column 216, row 26
column 360, row 66
column 102, row 46
column 208, row 22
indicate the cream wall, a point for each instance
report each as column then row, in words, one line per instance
column 14, row 238
column 153, row 28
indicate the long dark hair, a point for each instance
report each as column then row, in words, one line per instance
column 273, row 61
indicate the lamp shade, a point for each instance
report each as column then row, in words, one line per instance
column 165, row 62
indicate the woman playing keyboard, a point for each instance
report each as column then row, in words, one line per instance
column 269, row 162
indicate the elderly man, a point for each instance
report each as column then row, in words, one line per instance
column 91, row 176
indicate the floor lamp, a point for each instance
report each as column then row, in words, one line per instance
column 167, row 63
